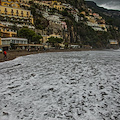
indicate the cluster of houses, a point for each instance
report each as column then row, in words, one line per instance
column 13, row 15
column 48, row 5
column 95, row 20
column 53, row 4
column 92, row 19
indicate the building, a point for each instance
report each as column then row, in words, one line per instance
column 0, row 41
column 18, row 1
column 17, row 15
column 58, row 5
column 51, row 4
column 7, row 32
column 23, row 1
column 14, row 40
column 11, row 12
column 113, row 44
column 45, row 37
column 95, row 26
column 18, row 43
column 48, row 45
column 83, row 13
column 6, row 42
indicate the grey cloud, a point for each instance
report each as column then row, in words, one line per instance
column 110, row 4
column 105, row 1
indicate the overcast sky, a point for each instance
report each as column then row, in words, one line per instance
column 109, row 4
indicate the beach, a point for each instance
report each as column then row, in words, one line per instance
column 77, row 85
column 14, row 54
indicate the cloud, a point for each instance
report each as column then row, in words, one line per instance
column 109, row 4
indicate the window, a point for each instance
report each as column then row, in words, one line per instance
column 11, row 10
column 17, row 12
column 5, row 9
column 27, row 14
column 22, row 13
column 17, row 41
column 13, row 41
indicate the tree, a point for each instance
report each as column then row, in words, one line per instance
column 64, row 13
column 29, row 34
column 36, row 39
column 41, row 23
column 55, row 41
column 33, row 10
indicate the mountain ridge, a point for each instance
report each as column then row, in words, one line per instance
column 111, row 16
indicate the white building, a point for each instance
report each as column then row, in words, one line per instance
column 95, row 26
column 7, row 41
column 18, row 25
column 113, row 42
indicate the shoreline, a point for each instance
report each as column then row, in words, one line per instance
column 14, row 54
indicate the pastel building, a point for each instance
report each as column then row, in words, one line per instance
column 113, row 44
column 45, row 37
column 51, row 4
column 96, row 26
column 23, row 1
column 58, row 5
column 10, row 11
column 7, row 41
column 7, row 32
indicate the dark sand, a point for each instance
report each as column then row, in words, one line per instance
column 14, row 54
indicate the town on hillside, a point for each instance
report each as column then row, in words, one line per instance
column 35, row 25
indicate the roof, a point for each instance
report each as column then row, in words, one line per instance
column 30, row 45
column 1, row 25
column 14, row 38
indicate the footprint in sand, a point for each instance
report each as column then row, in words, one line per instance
column 5, row 116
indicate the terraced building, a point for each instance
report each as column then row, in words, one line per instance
column 12, row 14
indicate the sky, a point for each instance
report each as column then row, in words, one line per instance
column 109, row 4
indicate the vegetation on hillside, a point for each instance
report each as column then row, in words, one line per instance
column 112, row 17
column 55, row 41
column 79, row 32
column 39, row 21
column 30, row 35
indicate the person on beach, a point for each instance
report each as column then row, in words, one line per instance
column 5, row 54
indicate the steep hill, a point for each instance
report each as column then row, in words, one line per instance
column 76, row 3
column 112, row 17
column 69, row 24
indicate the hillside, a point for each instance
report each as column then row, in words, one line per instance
column 69, row 23
column 112, row 17
column 70, row 20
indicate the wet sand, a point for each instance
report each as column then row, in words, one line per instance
column 14, row 54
